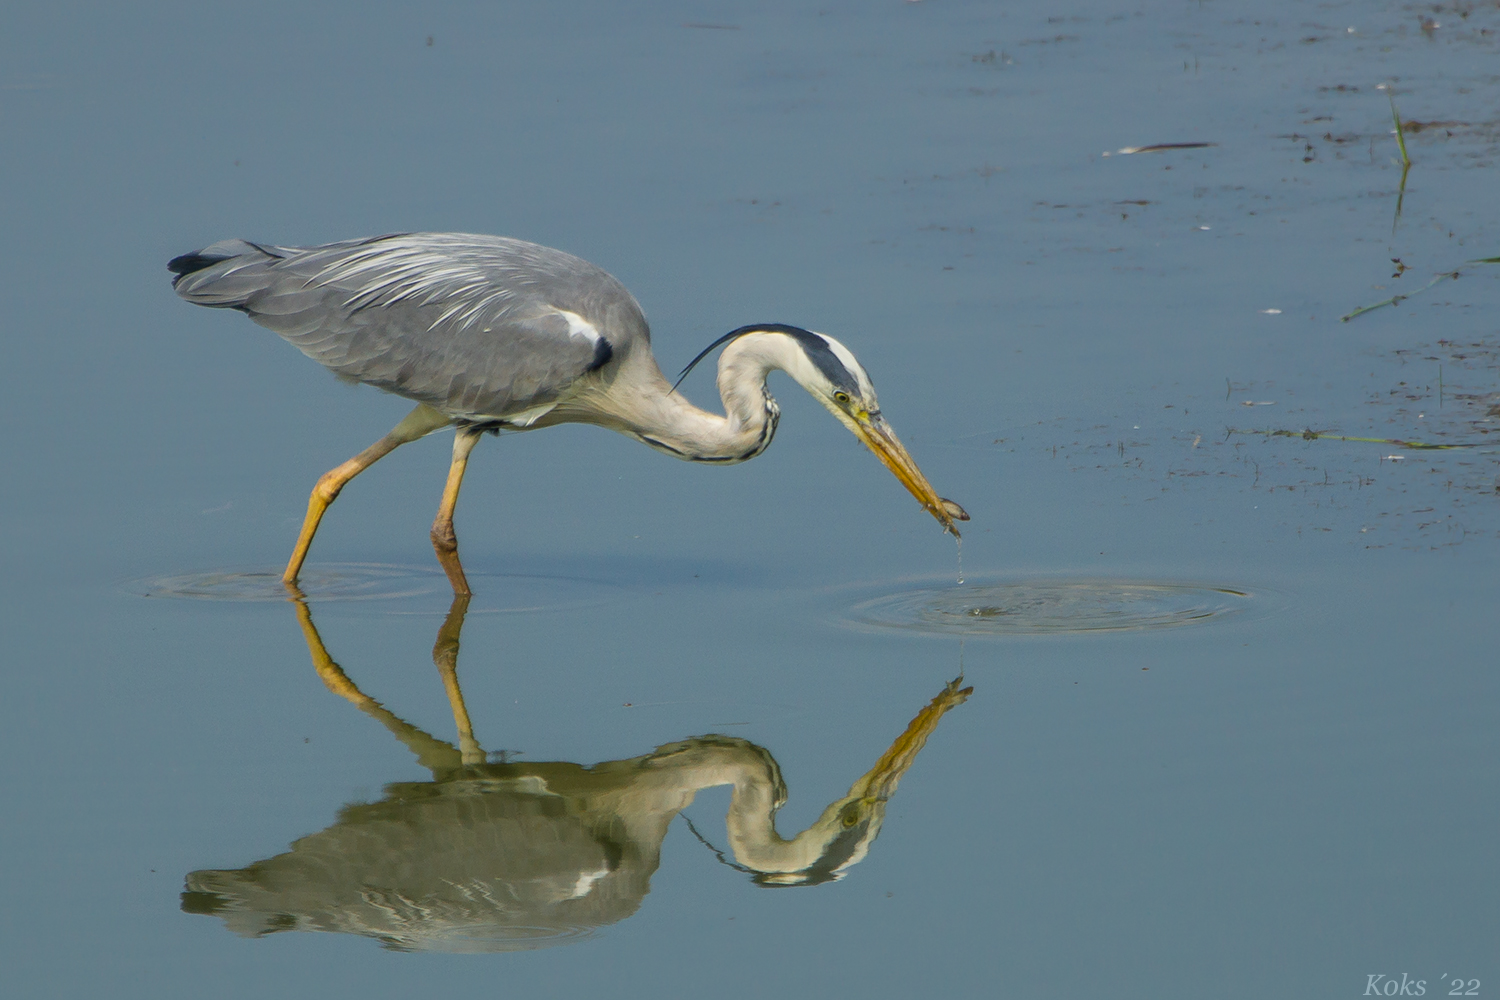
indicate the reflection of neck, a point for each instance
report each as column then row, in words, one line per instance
column 751, row 824
column 842, row 834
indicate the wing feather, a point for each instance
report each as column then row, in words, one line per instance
column 480, row 327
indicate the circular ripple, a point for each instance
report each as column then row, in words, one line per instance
column 324, row 582
column 376, row 582
column 1051, row 607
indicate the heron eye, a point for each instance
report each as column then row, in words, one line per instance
column 851, row 817
column 842, row 397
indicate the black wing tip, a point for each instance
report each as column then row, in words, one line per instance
column 199, row 260
column 189, row 262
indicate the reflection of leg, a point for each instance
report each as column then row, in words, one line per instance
column 432, row 753
column 445, row 658
column 444, row 541
column 419, row 422
column 331, row 673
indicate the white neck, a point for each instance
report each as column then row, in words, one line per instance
column 642, row 404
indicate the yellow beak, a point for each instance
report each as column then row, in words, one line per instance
column 879, row 438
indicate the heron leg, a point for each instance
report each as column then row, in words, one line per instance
column 445, row 658
column 444, row 540
column 418, row 423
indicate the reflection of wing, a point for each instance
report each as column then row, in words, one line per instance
column 475, row 326
column 472, row 866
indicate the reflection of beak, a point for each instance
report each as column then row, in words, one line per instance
column 879, row 783
column 879, row 438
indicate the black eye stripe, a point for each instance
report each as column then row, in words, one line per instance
column 821, row 355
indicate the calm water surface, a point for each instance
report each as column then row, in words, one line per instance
column 1231, row 729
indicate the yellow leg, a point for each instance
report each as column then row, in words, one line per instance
column 418, row 423
column 444, row 540
column 445, row 658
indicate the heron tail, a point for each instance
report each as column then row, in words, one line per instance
column 200, row 275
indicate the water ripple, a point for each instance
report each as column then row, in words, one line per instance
column 1053, row 607
column 379, row 582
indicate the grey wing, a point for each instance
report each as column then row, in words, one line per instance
column 479, row 327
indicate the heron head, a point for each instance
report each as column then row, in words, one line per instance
column 831, row 373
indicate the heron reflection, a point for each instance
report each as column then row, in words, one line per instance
column 506, row 856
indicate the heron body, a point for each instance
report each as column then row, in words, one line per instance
column 488, row 333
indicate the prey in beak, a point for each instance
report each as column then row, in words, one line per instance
column 872, row 429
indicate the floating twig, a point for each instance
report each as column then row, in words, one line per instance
column 1158, row 147
column 1398, row 299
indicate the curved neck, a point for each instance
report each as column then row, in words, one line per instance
column 642, row 404
column 680, row 770
column 751, row 825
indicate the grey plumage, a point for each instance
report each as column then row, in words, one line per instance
column 474, row 326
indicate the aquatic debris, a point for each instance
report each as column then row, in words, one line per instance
column 1400, row 132
column 1405, row 160
column 1312, row 435
column 1395, row 300
column 1413, row 127
column 1157, row 147
column 1398, row 299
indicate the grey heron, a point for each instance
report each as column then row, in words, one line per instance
column 489, row 333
